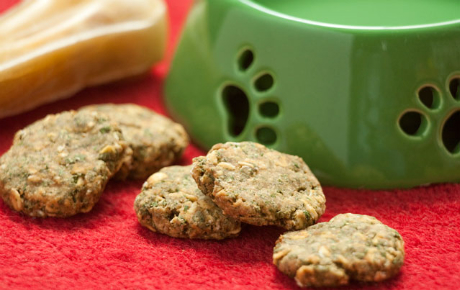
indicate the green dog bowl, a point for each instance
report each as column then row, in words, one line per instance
column 367, row 92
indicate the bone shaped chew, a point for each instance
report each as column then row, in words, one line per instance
column 50, row 49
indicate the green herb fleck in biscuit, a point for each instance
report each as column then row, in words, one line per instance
column 171, row 203
column 60, row 165
column 349, row 247
column 156, row 141
column 260, row 186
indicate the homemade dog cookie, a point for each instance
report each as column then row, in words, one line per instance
column 349, row 247
column 260, row 186
column 156, row 141
column 59, row 166
column 171, row 203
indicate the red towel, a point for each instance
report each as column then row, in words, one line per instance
column 108, row 249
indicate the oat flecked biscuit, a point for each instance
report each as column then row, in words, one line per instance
column 349, row 247
column 156, row 141
column 59, row 166
column 260, row 186
column 171, row 203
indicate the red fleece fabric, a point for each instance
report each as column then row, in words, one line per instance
column 107, row 248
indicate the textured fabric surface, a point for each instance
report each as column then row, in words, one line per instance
column 107, row 248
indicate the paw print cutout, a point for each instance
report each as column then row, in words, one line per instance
column 250, row 106
column 435, row 107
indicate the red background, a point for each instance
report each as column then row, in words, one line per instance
column 107, row 248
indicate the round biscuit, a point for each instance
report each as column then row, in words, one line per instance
column 348, row 247
column 171, row 203
column 59, row 166
column 260, row 186
column 156, row 141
